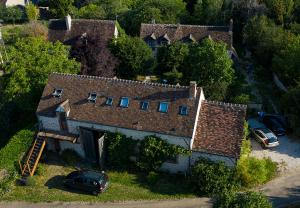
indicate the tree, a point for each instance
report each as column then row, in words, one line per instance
column 171, row 57
column 208, row 63
column 91, row 11
column 113, row 8
column 61, row 8
column 145, row 11
column 32, row 12
column 208, row 11
column 280, row 10
column 135, row 56
column 31, row 61
column 287, row 61
column 11, row 14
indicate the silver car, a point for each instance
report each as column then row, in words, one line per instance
column 265, row 137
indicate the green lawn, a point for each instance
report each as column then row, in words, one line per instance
column 124, row 186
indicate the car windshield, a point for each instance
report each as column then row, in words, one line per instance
column 266, row 131
column 272, row 139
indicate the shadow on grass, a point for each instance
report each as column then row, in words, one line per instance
column 56, row 182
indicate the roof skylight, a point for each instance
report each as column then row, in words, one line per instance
column 92, row 97
column 183, row 110
column 109, row 101
column 163, row 107
column 144, row 105
column 124, row 102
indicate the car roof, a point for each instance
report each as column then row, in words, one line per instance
column 93, row 174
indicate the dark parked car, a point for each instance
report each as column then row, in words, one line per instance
column 281, row 120
column 88, row 181
column 274, row 125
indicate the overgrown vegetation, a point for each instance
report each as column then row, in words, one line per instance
column 120, row 148
column 154, row 151
column 243, row 200
column 212, row 178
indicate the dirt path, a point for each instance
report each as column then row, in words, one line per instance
column 183, row 203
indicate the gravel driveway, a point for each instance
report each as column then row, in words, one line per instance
column 287, row 154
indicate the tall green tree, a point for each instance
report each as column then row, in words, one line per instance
column 32, row 12
column 280, row 10
column 145, row 11
column 210, row 65
column 31, row 60
column 90, row 11
column 208, row 11
column 135, row 56
column 61, row 8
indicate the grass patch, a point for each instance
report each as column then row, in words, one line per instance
column 124, row 186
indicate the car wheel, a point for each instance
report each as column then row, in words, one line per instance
column 95, row 193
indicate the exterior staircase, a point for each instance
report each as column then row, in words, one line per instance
column 33, row 157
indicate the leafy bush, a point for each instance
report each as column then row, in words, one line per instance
column 31, row 181
column 18, row 145
column 252, row 171
column 242, row 200
column 210, row 178
column 70, row 157
column 120, row 148
column 154, row 151
column 32, row 12
column 35, row 29
column 11, row 14
column 152, row 178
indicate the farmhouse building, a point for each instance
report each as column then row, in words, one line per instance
column 157, row 35
column 76, row 110
column 89, row 41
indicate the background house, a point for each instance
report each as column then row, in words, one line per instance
column 89, row 41
column 156, row 35
column 75, row 111
column 8, row 3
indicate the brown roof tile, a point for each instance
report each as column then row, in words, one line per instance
column 77, row 87
column 178, row 32
column 220, row 128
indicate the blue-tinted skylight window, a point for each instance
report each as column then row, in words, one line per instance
column 144, row 105
column 92, row 97
column 163, row 107
column 124, row 102
column 183, row 110
column 57, row 92
column 109, row 101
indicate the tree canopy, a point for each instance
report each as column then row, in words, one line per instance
column 31, row 60
column 135, row 56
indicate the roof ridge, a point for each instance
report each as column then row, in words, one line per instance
column 222, row 26
column 226, row 104
column 121, row 80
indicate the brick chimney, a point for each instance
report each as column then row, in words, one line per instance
column 68, row 20
column 193, row 89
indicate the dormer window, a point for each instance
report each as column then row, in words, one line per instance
column 163, row 107
column 124, row 102
column 183, row 110
column 145, row 105
column 165, row 40
column 57, row 92
column 92, row 97
column 109, row 101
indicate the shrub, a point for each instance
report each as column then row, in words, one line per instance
column 251, row 171
column 11, row 14
column 152, row 178
column 154, row 151
column 70, row 157
column 211, row 178
column 35, row 29
column 32, row 12
column 31, row 181
column 243, row 200
column 120, row 148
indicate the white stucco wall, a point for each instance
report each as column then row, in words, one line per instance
column 228, row 160
column 74, row 128
column 15, row 3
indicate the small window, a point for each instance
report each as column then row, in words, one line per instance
column 109, row 101
column 92, row 97
column 163, row 107
column 124, row 102
column 172, row 159
column 57, row 92
column 144, row 105
column 183, row 110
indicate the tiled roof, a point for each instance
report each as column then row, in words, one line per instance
column 220, row 128
column 77, row 87
column 178, row 32
column 99, row 32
